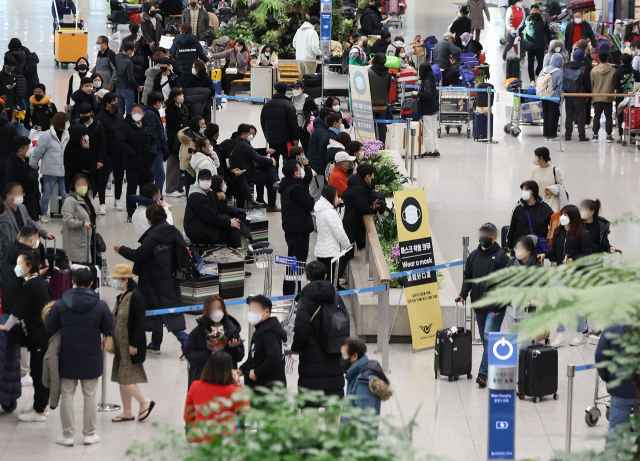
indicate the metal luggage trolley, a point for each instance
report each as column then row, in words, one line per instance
column 592, row 412
column 395, row 9
column 456, row 108
column 534, row 116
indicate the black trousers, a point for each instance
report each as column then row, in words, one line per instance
column 230, row 236
column 305, row 137
column 281, row 149
column 551, row 117
column 226, row 81
column 240, row 188
column 105, row 172
column 298, row 246
column 620, row 116
column 576, row 109
column 598, row 108
column 532, row 56
column 136, row 179
column 381, row 127
column 263, row 177
column 344, row 261
column 40, row 393
column 118, row 175
column 331, row 268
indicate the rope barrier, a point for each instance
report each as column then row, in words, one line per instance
column 404, row 122
column 242, row 98
column 589, row 366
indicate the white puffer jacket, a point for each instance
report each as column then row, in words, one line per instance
column 331, row 233
column 200, row 161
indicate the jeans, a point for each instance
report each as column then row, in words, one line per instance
column 532, row 56
column 49, row 184
column 157, row 169
column 551, row 117
column 599, row 108
column 487, row 323
column 621, row 409
column 582, row 326
column 126, row 98
column 156, row 338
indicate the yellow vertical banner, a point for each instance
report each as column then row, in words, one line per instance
column 416, row 252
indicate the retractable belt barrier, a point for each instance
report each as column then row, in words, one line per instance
column 235, row 98
column 571, row 372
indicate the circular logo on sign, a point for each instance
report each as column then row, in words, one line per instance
column 411, row 214
column 360, row 83
column 503, row 343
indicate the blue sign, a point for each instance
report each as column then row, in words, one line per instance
column 325, row 20
column 503, row 349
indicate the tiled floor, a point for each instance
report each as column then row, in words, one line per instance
column 471, row 184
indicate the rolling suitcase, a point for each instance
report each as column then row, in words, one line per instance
column 55, row 204
column 217, row 84
column 60, row 283
column 538, row 372
column 480, row 126
column 453, row 352
column 513, row 67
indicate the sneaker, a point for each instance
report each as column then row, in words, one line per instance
column 117, row 205
column 532, row 84
column 595, row 138
column 108, row 192
column 558, row 341
column 576, row 340
column 481, row 380
column 224, row 100
column 44, row 218
column 567, row 138
column 27, row 381
column 129, row 219
column 183, row 192
column 583, row 139
column 32, row 417
column 153, row 350
column 62, row 440
column 175, row 193
column 619, row 140
column 103, row 209
column 434, row 154
column 91, row 439
column 554, row 139
column 545, row 139
column 610, row 139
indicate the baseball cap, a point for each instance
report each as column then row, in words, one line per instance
column 490, row 228
column 448, row 34
column 298, row 84
column 101, row 93
column 344, row 157
column 204, row 174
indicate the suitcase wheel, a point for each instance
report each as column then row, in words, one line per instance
column 536, row 399
column 450, row 379
column 521, row 396
column 439, row 132
column 9, row 407
column 469, row 376
column 555, row 396
column 507, row 128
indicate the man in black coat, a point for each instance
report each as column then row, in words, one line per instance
column 371, row 19
column 138, row 142
column 265, row 364
column 9, row 84
column 461, row 25
column 297, row 223
column 111, row 120
column 585, row 31
column 531, row 215
column 8, row 131
column 333, row 122
column 315, row 154
column 381, row 45
column 484, row 260
column 153, row 263
column 280, row 122
column 18, row 170
column 152, row 115
column 97, row 143
column 317, row 370
column 84, row 95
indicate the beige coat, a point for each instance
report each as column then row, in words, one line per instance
column 186, row 144
column 602, row 81
column 214, row 23
column 51, row 367
column 476, row 7
column 76, row 240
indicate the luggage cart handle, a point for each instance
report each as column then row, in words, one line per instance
column 290, row 261
column 260, row 251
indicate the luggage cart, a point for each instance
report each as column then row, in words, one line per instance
column 592, row 412
column 534, row 116
column 394, row 9
column 456, row 110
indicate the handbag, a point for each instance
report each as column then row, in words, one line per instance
column 231, row 71
column 542, row 246
column 556, row 181
column 101, row 247
column 109, row 344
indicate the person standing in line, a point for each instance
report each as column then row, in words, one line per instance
column 40, row 109
column 577, row 107
column 429, row 107
column 357, row 55
column 152, row 115
column 339, row 177
column 78, row 221
column 196, row 16
column 112, row 120
column 380, row 84
column 97, row 143
column 165, row 80
column 531, row 215
column 83, row 317
column 185, row 49
column 525, row 256
column 331, row 235
column 177, row 115
column 8, row 131
column 306, row 108
column 484, row 260
column 476, row 8
column 551, row 109
column 537, row 35
column 17, row 169
column 106, row 64
column 577, row 30
column 315, row 153
column 279, row 123
column 9, row 85
column 152, row 27
column 307, row 45
column 14, row 218
column 126, row 82
column 602, row 82
column 80, row 71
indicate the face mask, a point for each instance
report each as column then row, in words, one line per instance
column 228, row 161
column 250, row 138
column 485, row 241
column 267, row 54
column 90, row 122
column 519, row 5
column 536, row 161
column 584, row 214
column 535, row 15
column 210, row 150
column 297, row 93
column 39, row 97
column 557, row 49
column 341, row 127
column 67, row 125
column 164, row 69
column 36, row 245
column 115, row 283
column 254, row 318
column 97, row 84
column 345, row 364
column 349, row 171
column 402, row 55
column 206, row 185
column 526, row 195
column 302, row 173
column 193, row 71
column 224, row 188
column 82, row 190
column 115, row 106
column 85, row 118
column 216, row 316
column 564, row 220
column 82, row 67
column 136, row 117
column 578, row 20
column 192, row 4
column 152, row 13
column 19, row 271
column 336, row 108
column 9, row 69
column 180, row 99
column 520, row 253
column 99, row 48
column 18, row 200
column 201, row 130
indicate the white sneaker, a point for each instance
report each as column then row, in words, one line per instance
column 62, row 440
column 184, row 192
column 91, row 439
column 103, row 209
column 32, row 417
column 576, row 340
column 175, row 193
column 44, row 218
column 108, row 192
column 224, row 99
column 558, row 341
column 554, row 139
column 29, row 410
column 27, row 381
column 117, row 205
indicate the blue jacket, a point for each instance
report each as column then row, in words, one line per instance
column 626, row 390
column 153, row 117
column 314, row 154
column 358, row 377
column 10, row 387
column 63, row 8
column 556, row 62
column 83, row 318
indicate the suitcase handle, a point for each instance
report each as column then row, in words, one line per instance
column 464, row 324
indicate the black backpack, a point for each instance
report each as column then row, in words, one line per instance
column 335, row 326
column 184, row 264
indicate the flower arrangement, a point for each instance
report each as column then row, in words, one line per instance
column 216, row 340
column 371, row 149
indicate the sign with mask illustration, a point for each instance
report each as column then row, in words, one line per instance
column 325, row 27
column 416, row 252
column 364, row 128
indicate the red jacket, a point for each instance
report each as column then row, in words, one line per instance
column 338, row 178
column 202, row 394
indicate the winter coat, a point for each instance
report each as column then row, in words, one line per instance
column 107, row 68
column 199, row 29
column 333, row 147
column 338, row 178
column 566, row 58
column 306, row 43
column 31, row 70
column 76, row 240
column 196, row 351
column 74, row 83
column 620, row 78
column 9, row 232
column 459, row 27
column 7, row 132
column 602, row 244
column 245, row 157
column 371, row 21
column 10, row 95
column 602, row 81
column 476, row 8
column 40, row 113
column 266, row 355
column 175, row 117
column 368, row 383
column 172, row 80
column 314, row 154
column 234, row 59
column 204, row 215
column 279, row 120
column 537, row 33
column 139, row 217
column 198, row 100
column 149, row 81
column 83, row 318
column 154, row 265
column 185, row 49
column 10, row 386
column 140, row 59
column 626, row 390
column 111, row 124
column 50, row 150
column 428, row 95
column 317, row 369
column 329, row 136
column 80, row 97
column 126, row 77
column 357, row 203
column 21, row 61
column 204, row 82
column 557, row 77
column 587, row 32
column 379, row 83
column 187, row 140
column 481, row 263
column 297, row 205
column 152, row 116
column 379, row 46
column 586, row 75
column 563, row 246
column 540, row 214
column 97, row 139
column 516, row 310
column 135, row 324
column 77, row 159
column 331, row 234
column 11, row 284
column 34, row 295
column 137, row 143
column 18, row 170
column 149, row 31
column 51, row 369
column 171, row 7
column 201, row 161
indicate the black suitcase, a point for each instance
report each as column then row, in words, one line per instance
column 513, row 67
column 453, row 352
column 538, row 372
column 482, row 97
column 480, row 126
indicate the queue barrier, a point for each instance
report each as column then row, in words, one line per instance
column 234, row 98
column 571, row 372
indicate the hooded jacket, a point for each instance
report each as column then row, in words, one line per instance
column 10, row 387
column 563, row 246
column 204, row 215
column 602, row 245
column 279, row 121
column 563, row 51
column 77, row 159
column 371, row 20
column 18, row 170
column 201, row 161
column 602, row 81
column 111, row 124
column 196, row 351
column 50, row 150
column 137, row 143
column 40, row 113
column 620, row 78
column 332, row 149
column 83, row 319
column 626, row 390
column 297, row 205
column 106, row 67
column 380, row 84
column 331, row 234
column 97, row 140
column 314, row 154
column 540, row 214
column 481, row 263
column 306, row 43
column 537, row 32
column 428, row 94
column 557, row 76
column 139, row 218
column 152, row 116
column 149, row 81
column 266, row 354
column 21, row 61
column 317, row 370
column 586, row 75
column 357, row 203
column 368, row 383
column 31, row 70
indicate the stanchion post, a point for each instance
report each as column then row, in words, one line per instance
column 489, row 133
column 407, row 140
column 562, row 115
column 571, row 372
column 383, row 326
column 413, row 146
column 215, row 108
column 103, row 405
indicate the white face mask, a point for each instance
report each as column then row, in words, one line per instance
column 557, row 49
column 564, row 220
column 210, row 150
column 250, row 138
column 520, row 253
column 526, row 195
column 578, row 20
column 302, row 173
column 267, row 54
column 342, row 127
column 98, row 47
column 136, row 117
column 193, row 71
column 402, row 55
column 201, row 130
column 297, row 93
column 37, row 244
column 97, row 84
column 216, row 316
column 336, row 108
column 536, row 161
column 116, row 284
column 228, row 163
column 224, row 188
column 67, row 125
column 584, row 214
column 254, row 318
column 519, row 5
column 18, row 200
column 206, row 185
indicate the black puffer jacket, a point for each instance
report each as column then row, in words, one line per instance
column 297, row 205
column 540, row 214
column 317, row 370
column 7, row 132
column 266, row 354
column 111, row 124
column 31, row 70
column 357, row 203
column 140, row 57
column 480, row 263
column 21, row 63
column 196, row 351
column 97, row 138
column 315, row 155
column 371, row 21
column 10, row 387
column 177, row 119
column 186, row 48
column 138, row 144
column 245, row 157
column 428, row 93
column 563, row 246
column 279, row 121
column 77, row 159
column 153, row 262
column 204, row 216
column 18, row 170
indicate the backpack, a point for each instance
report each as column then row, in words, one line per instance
column 410, row 109
column 544, row 86
column 467, row 77
column 32, row 107
column 628, row 82
column 185, row 264
column 393, row 62
column 437, row 73
column 572, row 80
column 335, row 326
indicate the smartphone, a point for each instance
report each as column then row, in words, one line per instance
column 243, row 170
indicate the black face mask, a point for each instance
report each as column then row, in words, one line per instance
column 85, row 118
column 115, row 106
column 486, row 242
column 164, row 68
column 38, row 97
column 82, row 67
column 345, row 364
column 152, row 13
column 9, row 69
column 349, row 171
column 192, row 4
column 535, row 15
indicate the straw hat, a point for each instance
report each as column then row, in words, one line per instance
column 122, row 271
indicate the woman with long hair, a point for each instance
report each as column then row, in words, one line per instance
column 596, row 226
column 177, row 116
